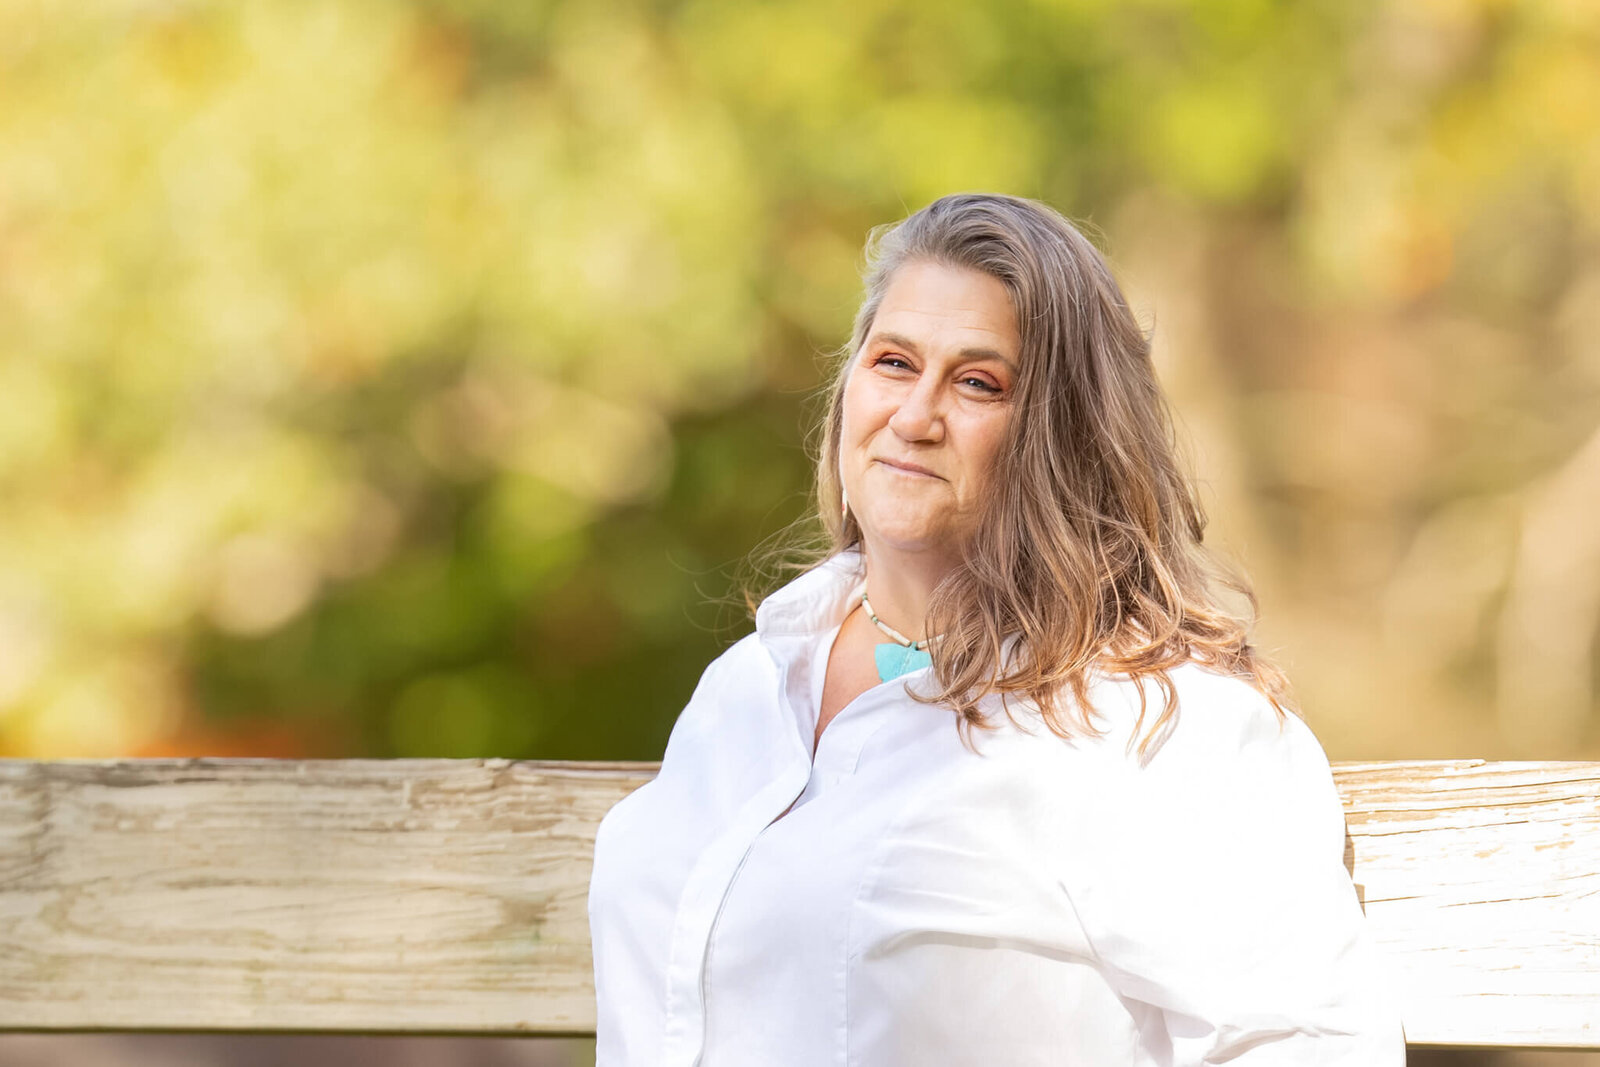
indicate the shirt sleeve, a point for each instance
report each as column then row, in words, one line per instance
column 1210, row 881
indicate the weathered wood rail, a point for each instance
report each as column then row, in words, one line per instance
column 449, row 896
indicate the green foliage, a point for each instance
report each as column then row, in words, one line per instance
column 416, row 375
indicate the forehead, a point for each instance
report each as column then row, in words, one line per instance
column 938, row 304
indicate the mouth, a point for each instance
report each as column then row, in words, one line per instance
column 908, row 468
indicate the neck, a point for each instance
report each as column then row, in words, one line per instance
column 901, row 584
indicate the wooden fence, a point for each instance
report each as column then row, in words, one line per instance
column 449, row 896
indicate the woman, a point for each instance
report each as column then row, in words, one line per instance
column 1001, row 780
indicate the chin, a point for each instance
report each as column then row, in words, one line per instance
column 905, row 537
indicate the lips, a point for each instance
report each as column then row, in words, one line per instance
column 913, row 468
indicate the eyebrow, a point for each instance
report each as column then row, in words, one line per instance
column 900, row 341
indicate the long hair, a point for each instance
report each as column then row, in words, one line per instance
column 1087, row 554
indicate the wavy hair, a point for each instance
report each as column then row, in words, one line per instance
column 1088, row 550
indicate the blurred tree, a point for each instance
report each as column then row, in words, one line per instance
column 388, row 379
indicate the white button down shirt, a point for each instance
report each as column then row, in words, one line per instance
column 1044, row 902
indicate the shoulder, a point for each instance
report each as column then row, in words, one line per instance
column 741, row 665
column 738, row 662
column 1208, row 874
column 1216, row 716
column 1227, row 757
column 1225, row 749
column 741, row 668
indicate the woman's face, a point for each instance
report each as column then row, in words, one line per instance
column 925, row 407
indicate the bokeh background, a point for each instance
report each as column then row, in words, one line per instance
column 411, row 378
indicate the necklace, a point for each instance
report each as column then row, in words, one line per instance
column 904, row 656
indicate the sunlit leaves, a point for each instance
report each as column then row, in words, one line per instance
column 412, row 372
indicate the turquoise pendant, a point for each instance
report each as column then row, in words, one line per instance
column 895, row 660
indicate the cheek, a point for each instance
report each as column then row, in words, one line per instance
column 859, row 410
column 987, row 439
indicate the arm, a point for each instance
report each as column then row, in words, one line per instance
column 1211, row 883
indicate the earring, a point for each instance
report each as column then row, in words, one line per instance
column 844, row 505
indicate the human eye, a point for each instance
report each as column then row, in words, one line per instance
column 892, row 360
column 982, row 384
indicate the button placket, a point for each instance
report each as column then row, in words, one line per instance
column 835, row 760
column 838, row 756
column 838, row 752
column 703, row 897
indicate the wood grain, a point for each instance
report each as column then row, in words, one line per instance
column 403, row 896
column 449, row 896
column 1481, row 883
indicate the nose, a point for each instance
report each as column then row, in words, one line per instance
column 920, row 416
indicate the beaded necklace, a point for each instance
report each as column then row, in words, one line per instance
column 897, row 659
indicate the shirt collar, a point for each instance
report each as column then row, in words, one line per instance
column 815, row 601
